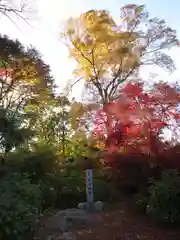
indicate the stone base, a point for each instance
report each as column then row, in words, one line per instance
column 91, row 207
column 64, row 220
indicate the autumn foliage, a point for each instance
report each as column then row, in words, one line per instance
column 109, row 52
column 134, row 125
column 135, row 121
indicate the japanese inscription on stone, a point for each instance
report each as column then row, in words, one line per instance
column 89, row 186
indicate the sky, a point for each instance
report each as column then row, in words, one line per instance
column 44, row 30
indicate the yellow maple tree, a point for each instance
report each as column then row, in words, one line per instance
column 108, row 53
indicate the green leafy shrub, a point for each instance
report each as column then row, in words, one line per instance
column 71, row 193
column 128, row 174
column 51, row 186
column 61, row 190
column 40, row 161
column 163, row 200
column 74, row 191
column 20, row 202
column 66, row 187
column 101, row 190
column 49, row 193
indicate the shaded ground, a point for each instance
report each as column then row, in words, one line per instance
column 119, row 224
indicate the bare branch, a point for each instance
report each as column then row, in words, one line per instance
column 8, row 10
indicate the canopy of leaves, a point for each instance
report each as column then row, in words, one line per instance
column 137, row 117
column 25, row 85
column 13, row 132
column 24, row 77
column 107, row 53
column 51, row 121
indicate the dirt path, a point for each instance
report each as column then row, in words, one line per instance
column 120, row 224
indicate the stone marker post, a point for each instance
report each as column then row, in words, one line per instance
column 89, row 187
column 90, row 205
